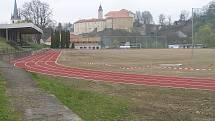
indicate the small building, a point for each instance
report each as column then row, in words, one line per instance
column 86, row 42
column 14, row 32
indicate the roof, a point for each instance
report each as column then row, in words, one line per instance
column 118, row 14
column 89, row 20
column 21, row 26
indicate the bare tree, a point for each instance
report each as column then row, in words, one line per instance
column 37, row 12
column 169, row 20
column 147, row 17
column 144, row 17
column 138, row 16
column 162, row 19
column 184, row 15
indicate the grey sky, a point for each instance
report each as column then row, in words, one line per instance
column 72, row 10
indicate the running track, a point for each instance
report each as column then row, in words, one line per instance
column 46, row 63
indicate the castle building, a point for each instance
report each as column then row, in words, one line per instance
column 122, row 19
column 15, row 17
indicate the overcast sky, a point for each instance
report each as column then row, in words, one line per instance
column 73, row 10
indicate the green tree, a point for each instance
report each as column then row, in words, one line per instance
column 67, row 39
column 57, row 39
column 63, row 37
column 205, row 35
column 52, row 40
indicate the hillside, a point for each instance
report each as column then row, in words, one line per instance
column 4, row 46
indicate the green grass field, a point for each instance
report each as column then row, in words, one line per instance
column 100, row 101
column 6, row 110
column 89, row 105
column 148, row 59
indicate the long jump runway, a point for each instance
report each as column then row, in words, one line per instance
column 46, row 63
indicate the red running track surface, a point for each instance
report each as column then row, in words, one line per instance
column 46, row 63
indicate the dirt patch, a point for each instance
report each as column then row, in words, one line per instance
column 145, row 61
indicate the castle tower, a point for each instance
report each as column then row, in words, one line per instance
column 100, row 12
column 15, row 16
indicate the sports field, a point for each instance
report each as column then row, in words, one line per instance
column 145, row 61
column 146, row 99
column 47, row 63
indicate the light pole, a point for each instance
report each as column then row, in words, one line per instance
column 192, row 35
column 193, row 39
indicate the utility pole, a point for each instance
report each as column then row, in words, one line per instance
column 192, row 34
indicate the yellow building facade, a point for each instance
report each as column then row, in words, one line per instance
column 90, row 25
column 122, row 20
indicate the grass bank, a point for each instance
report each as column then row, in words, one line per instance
column 89, row 105
column 6, row 110
column 35, row 46
column 4, row 46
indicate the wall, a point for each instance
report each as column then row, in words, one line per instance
column 87, row 27
column 120, row 23
column 125, row 23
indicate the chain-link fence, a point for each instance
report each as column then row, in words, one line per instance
column 8, row 54
column 203, row 26
column 134, row 42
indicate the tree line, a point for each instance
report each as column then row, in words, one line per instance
column 145, row 17
column 204, row 25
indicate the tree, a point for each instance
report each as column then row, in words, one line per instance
column 169, row 20
column 147, row 17
column 206, row 35
column 144, row 17
column 37, row 12
column 53, row 43
column 184, row 15
column 57, row 39
column 63, row 37
column 67, row 39
column 162, row 19
column 138, row 16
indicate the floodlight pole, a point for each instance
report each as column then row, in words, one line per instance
column 192, row 35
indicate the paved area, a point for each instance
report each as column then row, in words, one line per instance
column 32, row 103
column 46, row 63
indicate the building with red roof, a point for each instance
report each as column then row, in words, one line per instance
column 122, row 19
column 120, row 14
